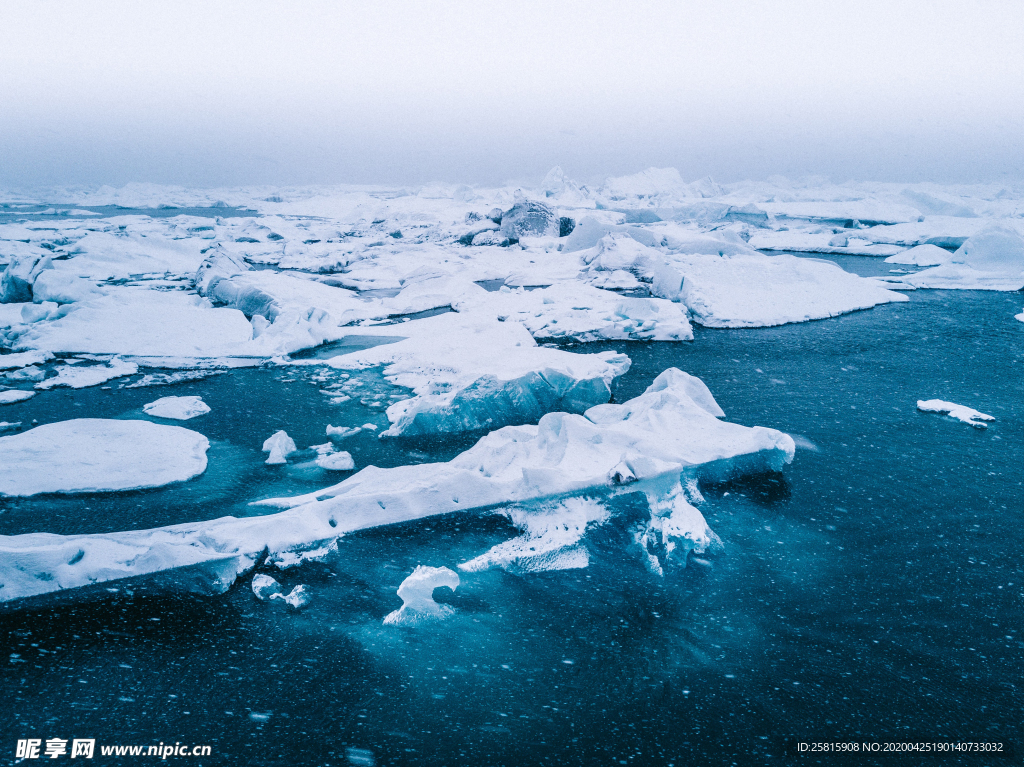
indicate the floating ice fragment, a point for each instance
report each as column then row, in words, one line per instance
column 960, row 412
column 280, row 446
column 11, row 396
column 297, row 598
column 340, row 432
column 263, row 586
column 82, row 377
column 178, row 408
column 10, row 361
column 91, row 455
column 417, row 593
column 341, row 461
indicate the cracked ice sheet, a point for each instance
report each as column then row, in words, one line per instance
column 646, row 444
column 470, row 372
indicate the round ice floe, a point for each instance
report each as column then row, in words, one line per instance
column 90, row 455
column 178, row 408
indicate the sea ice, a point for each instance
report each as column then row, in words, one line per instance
column 762, row 291
column 280, row 446
column 76, row 377
column 646, row 444
column 178, row 408
column 263, row 586
column 297, row 598
column 473, row 372
column 551, row 539
column 993, row 259
column 340, row 461
column 11, row 361
column 921, row 255
column 960, row 412
column 62, row 288
column 91, row 455
column 417, row 593
column 340, row 432
column 10, row 396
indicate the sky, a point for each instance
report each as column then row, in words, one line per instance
column 398, row 91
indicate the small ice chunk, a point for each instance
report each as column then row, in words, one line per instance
column 922, row 255
column 417, row 593
column 263, row 586
column 341, row 461
column 11, row 396
column 178, row 408
column 5, row 425
column 370, row 426
column 297, row 598
column 280, row 446
column 340, row 432
column 1019, row 316
column 960, row 412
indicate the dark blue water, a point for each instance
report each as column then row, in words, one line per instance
column 871, row 592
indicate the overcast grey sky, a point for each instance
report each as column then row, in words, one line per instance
column 211, row 93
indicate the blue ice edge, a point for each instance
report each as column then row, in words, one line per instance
column 670, row 435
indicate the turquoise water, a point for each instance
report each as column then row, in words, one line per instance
column 873, row 591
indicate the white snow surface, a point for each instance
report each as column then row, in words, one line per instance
column 993, row 259
column 647, row 444
column 417, row 593
column 10, row 396
column 80, row 377
column 961, row 412
column 280, row 446
column 922, row 255
column 91, row 455
column 178, row 408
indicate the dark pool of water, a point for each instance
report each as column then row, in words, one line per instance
column 871, row 592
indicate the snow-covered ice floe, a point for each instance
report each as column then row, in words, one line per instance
column 92, row 455
column 80, row 377
column 993, row 259
column 656, row 444
column 471, row 372
column 961, row 412
column 10, row 396
column 177, row 408
column 280, row 446
column 417, row 593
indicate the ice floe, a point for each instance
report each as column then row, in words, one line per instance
column 10, row 396
column 961, row 412
column 922, row 255
column 417, row 593
column 993, row 259
column 649, row 444
column 80, row 377
column 280, row 446
column 178, row 408
column 92, row 455
column 550, row 541
column 340, row 461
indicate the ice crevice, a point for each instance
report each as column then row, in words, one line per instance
column 666, row 436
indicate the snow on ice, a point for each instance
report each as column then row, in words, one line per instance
column 417, row 593
column 961, row 412
column 92, row 455
column 178, row 408
column 670, row 435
